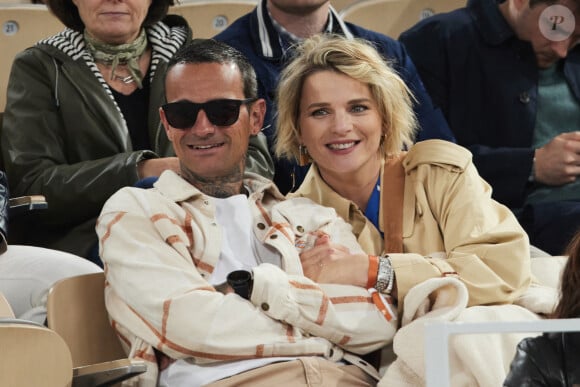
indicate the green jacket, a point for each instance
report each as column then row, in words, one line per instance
column 63, row 135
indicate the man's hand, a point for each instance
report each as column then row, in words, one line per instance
column 558, row 162
column 154, row 167
column 332, row 263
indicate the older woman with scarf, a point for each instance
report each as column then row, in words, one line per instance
column 82, row 120
column 421, row 214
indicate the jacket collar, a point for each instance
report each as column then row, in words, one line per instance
column 177, row 189
column 164, row 40
column 490, row 21
column 268, row 42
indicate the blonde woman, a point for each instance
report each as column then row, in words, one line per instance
column 348, row 112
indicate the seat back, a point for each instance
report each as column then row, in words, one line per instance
column 76, row 311
column 22, row 26
column 209, row 18
column 392, row 17
column 33, row 355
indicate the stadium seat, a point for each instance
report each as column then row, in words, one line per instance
column 392, row 17
column 208, row 18
column 22, row 26
column 76, row 311
column 32, row 355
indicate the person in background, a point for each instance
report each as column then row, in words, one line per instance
column 81, row 119
column 552, row 359
column 266, row 36
column 203, row 270
column 27, row 272
column 505, row 74
column 345, row 110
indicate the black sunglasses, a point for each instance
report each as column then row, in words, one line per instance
column 220, row 112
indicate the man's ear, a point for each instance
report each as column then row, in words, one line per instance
column 257, row 114
column 165, row 124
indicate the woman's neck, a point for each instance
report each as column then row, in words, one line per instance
column 356, row 186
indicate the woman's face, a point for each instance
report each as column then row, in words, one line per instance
column 113, row 21
column 340, row 124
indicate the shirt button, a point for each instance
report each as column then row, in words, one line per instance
column 300, row 228
column 265, row 307
column 524, row 97
column 261, row 226
column 275, row 236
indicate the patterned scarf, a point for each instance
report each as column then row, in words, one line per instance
column 114, row 55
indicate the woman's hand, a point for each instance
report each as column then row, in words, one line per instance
column 332, row 263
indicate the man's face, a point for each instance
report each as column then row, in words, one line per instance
column 206, row 150
column 297, row 7
column 538, row 25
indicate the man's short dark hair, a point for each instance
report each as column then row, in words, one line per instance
column 212, row 51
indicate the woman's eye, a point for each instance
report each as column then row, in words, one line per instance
column 359, row 108
column 319, row 112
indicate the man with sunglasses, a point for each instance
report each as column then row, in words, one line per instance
column 203, row 270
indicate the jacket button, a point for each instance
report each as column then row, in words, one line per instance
column 274, row 236
column 265, row 307
column 261, row 226
column 524, row 97
column 300, row 228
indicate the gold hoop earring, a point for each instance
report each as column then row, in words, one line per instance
column 304, row 157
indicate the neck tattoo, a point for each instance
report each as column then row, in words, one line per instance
column 220, row 187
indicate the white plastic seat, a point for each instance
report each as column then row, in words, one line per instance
column 437, row 335
column 392, row 17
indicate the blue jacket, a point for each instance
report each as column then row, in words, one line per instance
column 486, row 82
column 255, row 36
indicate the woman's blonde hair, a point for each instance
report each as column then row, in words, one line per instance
column 359, row 60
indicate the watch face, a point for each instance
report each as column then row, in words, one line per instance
column 239, row 277
column 241, row 282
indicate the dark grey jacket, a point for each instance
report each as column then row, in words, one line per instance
column 549, row 360
column 63, row 135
